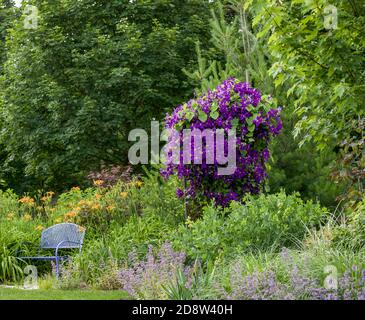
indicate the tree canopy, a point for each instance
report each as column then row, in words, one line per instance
column 75, row 86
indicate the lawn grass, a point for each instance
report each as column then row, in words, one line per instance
column 18, row 294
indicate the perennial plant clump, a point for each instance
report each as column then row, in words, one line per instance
column 296, row 285
column 233, row 106
column 145, row 279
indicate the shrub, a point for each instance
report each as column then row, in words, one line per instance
column 266, row 286
column 232, row 105
column 146, row 278
column 136, row 235
column 302, row 169
column 352, row 232
column 292, row 275
column 261, row 222
column 8, row 203
column 158, row 197
column 276, row 219
column 128, row 216
column 100, row 207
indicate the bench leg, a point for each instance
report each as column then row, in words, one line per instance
column 57, row 268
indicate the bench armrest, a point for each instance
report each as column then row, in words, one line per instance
column 66, row 241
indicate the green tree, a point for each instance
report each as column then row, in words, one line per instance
column 7, row 15
column 318, row 50
column 304, row 169
column 292, row 168
column 236, row 50
column 8, row 12
column 92, row 71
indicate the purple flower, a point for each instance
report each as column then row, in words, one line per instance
column 179, row 193
column 265, row 285
column 231, row 104
column 145, row 279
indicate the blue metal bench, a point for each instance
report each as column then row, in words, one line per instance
column 57, row 237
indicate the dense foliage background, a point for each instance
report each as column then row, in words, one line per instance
column 100, row 69
column 73, row 88
column 89, row 74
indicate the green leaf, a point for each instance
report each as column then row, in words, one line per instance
column 214, row 115
column 190, row 115
column 203, row 117
column 247, row 4
column 214, row 106
column 279, row 80
column 235, row 123
column 267, row 107
column 340, row 90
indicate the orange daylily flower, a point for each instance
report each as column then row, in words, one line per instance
column 98, row 183
column 27, row 200
column 96, row 207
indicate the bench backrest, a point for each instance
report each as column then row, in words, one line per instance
column 61, row 233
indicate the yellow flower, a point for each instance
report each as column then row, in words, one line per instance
column 77, row 209
column 139, row 184
column 98, row 196
column 50, row 194
column 82, row 229
column 58, row 220
column 98, row 183
column 39, row 228
column 124, row 195
column 45, row 198
column 27, row 217
column 75, row 189
column 10, row 216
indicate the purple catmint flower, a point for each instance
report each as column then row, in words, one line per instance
column 145, row 279
column 265, row 285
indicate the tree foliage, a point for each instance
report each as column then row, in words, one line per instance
column 289, row 53
column 74, row 87
column 318, row 49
